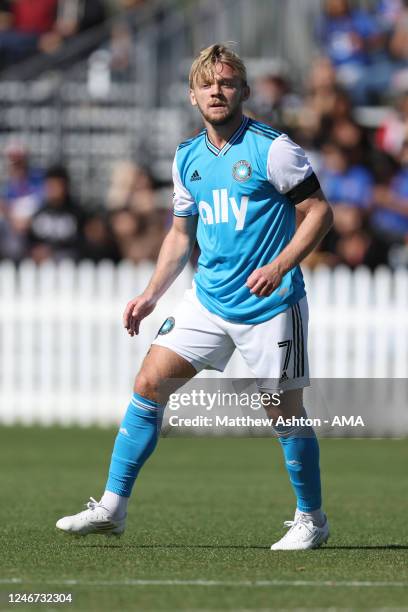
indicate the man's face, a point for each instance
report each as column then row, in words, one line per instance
column 220, row 99
column 55, row 190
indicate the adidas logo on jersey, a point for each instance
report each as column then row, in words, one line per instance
column 195, row 176
column 221, row 209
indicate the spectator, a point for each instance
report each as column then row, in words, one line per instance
column 393, row 131
column 345, row 183
column 319, row 101
column 73, row 17
column 390, row 215
column 26, row 23
column 273, row 102
column 143, row 198
column 349, row 188
column 55, row 231
column 332, row 120
column 139, row 236
column 350, row 241
column 121, row 51
column 98, row 242
column 324, row 103
column 128, row 228
column 43, row 25
column 361, row 248
column 398, row 48
column 78, row 15
column 352, row 139
column 131, row 186
column 23, row 184
column 355, row 42
column 123, row 181
column 20, row 198
column 155, row 232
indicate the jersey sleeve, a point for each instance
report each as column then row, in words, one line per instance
column 183, row 202
column 289, row 170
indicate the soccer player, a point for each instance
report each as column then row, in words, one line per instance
column 238, row 187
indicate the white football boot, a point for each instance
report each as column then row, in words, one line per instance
column 303, row 535
column 95, row 519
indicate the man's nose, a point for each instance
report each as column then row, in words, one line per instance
column 215, row 88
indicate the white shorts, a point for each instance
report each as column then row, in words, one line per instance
column 275, row 350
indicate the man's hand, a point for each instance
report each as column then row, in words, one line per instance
column 136, row 310
column 263, row 281
column 174, row 254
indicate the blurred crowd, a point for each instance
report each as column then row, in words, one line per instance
column 362, row 163
column 29, row 27
column 42, row 219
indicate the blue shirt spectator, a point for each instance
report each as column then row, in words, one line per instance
column 356, row 43
column 343, row 33
column 22, row 181
column 20, row 198
column 343, row 183
column 391, row 214
column 30, row 185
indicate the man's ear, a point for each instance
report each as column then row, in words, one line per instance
column 246, row 92
column 193, row 98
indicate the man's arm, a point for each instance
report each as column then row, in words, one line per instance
column 174, row 254
column 317, row 220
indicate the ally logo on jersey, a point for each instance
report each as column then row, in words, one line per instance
column 224, row 208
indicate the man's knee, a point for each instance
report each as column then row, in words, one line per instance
column 146, row 385
column 290, row 404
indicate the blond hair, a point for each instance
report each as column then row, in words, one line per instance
column 203, row 66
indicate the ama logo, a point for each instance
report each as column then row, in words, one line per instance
column 224, row 206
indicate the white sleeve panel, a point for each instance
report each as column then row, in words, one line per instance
column 183, row 201
column 287, row 164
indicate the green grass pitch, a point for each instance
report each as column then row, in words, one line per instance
column 203, row 509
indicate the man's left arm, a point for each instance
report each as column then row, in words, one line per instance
column 316, row 219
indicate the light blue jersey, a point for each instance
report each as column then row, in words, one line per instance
column 245, row 195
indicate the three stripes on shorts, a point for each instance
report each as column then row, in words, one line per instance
column 298, row 342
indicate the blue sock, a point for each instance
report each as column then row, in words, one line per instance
column 301, row 452
column 135, row 442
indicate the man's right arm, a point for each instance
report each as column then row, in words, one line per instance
column 173, row 256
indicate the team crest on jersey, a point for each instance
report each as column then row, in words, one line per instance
column 167, row 326
column 242, row 170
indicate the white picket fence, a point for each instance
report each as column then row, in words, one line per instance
column 65, row 357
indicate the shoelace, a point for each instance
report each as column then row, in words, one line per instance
column 92, row 504
column 298, row 521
